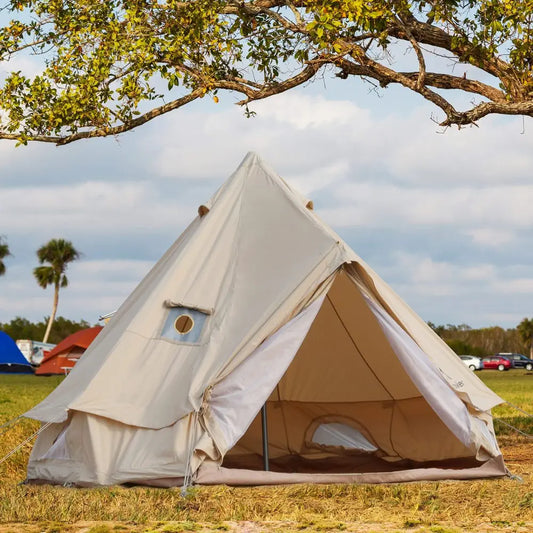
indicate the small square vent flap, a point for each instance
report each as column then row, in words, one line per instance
column 184, row 324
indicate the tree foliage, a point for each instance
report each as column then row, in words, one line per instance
column 525, row 330
column 54, row 258
column 464, row 340
column 4, row 252
column 22, row 328
column 111, row 65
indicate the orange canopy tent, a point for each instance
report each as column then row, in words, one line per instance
column 66, row 354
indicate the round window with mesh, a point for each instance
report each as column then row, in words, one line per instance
column 183, row 324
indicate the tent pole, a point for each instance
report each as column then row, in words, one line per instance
column 265, row 437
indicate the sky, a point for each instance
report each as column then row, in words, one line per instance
column 445, row 217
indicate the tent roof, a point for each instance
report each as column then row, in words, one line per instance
column 81, row 339
column 10, row 353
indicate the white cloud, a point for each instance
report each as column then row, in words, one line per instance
column 514, row 286
column 311, row 112
column 314, row 180
column 95, row 288
column 98, row 207
column 491, row 236
column 386, row 205
column 481, row 272
column 29, row 65
column 114, row 269
column 493, row 153
column 285, row 132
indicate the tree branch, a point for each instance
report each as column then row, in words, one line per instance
column 467, row 52
column 420, row 82
column 487, row 108
column 268, row 90
column 111, row 130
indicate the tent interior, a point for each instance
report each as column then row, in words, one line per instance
column 346, row 402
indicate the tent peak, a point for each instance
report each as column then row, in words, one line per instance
column 245, row 171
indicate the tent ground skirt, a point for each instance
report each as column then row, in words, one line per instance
column 211, row 474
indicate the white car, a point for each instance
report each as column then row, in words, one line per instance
column 472, row 362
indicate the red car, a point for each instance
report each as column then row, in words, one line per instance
column 497, row 362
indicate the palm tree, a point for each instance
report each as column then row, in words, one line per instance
column 58, row 253
column 525, row 329
column 4, row 252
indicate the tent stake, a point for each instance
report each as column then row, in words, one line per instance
column 265, row 437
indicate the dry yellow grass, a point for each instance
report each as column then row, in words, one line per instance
column 444, row 507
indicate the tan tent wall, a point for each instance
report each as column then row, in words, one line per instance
column 98, row 451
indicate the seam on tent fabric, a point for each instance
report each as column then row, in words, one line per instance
column 391, row 420
column 357, row 348
column 369, row 286
column 369, row 367
column 181, row 343
column 231, row 289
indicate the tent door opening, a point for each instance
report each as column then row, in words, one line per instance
column 346, row 403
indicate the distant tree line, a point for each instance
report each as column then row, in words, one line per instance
column 22, row 328
column 464, row 340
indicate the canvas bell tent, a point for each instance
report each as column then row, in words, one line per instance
column 66, row 354
column 12, row 361
column 258, row 303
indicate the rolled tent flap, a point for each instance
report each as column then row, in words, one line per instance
column 472, row 431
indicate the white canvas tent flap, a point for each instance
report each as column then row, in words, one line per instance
column 258, row 300
column 233, row 402
column 425, row 376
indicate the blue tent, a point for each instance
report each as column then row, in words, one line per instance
column 11, row 359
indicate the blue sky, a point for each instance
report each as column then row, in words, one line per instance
column 445, row 217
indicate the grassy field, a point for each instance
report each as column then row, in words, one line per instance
column 443, row 507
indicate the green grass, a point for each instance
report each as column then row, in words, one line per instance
column 19, row 393
column 515, row 387
column 479, row 505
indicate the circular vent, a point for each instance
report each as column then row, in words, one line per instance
column 183, row 324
